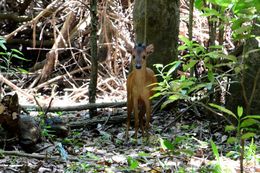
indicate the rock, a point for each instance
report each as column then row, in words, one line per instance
column 29, row 132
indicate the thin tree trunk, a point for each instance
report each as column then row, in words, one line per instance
column 191, row 7
column 212, row 28
column 94, row 64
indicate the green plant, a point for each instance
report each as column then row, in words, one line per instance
column 239, row 14
column 250, row 151
column 185, row 88
column 217, row 167
column 6, row 57
column 243, row 127
column 132, row 163
column 178, row 146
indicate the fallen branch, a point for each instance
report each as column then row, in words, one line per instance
column 92, row 122
column 7, row 82
column 75, row 107
column 38, row 156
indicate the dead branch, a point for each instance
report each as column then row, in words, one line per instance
column 46, row 12
column 14, row 17
column 37, row 156
column 75, row 107
column 60, row 77
column 52, row 55
column 7, row 82
column 92, row 122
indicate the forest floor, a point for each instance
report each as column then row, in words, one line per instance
column 179, row 142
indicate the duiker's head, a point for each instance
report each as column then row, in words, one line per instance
column 140, row 53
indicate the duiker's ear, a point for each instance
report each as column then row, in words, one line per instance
column 149, row 49
column 129, row 48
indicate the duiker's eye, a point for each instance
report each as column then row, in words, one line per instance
column 143, row 57
column 133, row 57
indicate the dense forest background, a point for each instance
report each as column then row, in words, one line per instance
column 64, row 67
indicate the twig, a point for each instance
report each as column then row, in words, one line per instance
column 48, row 108
column 59, row 77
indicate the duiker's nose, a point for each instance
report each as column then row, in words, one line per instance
column 138, row 66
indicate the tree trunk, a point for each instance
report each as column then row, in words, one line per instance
column 191, row 6
column 162, row 23
column 94, row 64
column 246, row 93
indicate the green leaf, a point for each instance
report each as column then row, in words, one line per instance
column 182, row 47
column 230, row 57
column 248, row 135
column 243, row 29
column 198, row 4
column 248, row 122
column 20, row 58
column 189, row 65
column 185, row 40
column 3, row 53
column 237, row 23
column 172, row 99
column 241, row 5
column 253, row 116
column 17, row 51
column 210, row 76
column 210, row 12
column 23, row 71
column 219, row 47
column 214, row 149
column 239, row 111
column 3, row 46
column 229, row 128
column 174, row 67
column 143, row 154
column 2, row 43
column 186, row 84
column 166, row 145
column 133, row 163
column 223, row 109
column 197, row 87
column 257, row 5
column 229, row 64
column 179, row 139
column 232, row 140
column 223, row 3
column 158, row 65
column 232, row 154
column 156, row 95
